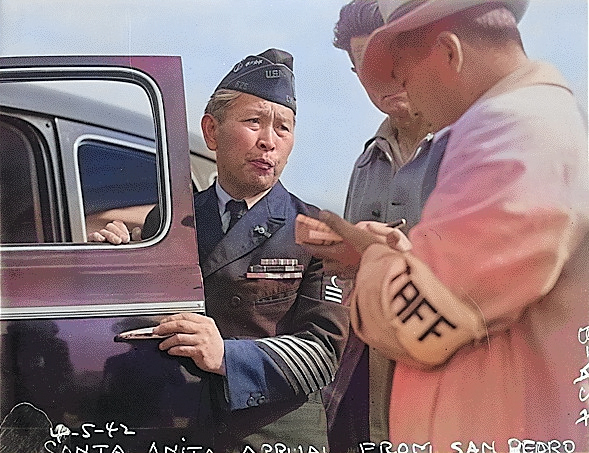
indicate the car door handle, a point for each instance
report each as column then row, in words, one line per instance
column 145, row 333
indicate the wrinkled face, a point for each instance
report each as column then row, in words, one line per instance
column 389, row 98
column 252, row 143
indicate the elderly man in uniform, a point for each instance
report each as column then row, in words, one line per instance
column 269, row 341
column 352, row 415
column 485, row 308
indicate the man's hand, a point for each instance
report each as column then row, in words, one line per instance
column 115, row 232
column 394, row 237
column 195, row 336
column 343, row 258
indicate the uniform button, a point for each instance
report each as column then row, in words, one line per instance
column 261, row 399
column 221, row 428
column 376, row 213
column 235, row 301
column 251, row 401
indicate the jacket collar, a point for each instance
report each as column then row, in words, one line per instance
column 532, row 73
column 259, row 224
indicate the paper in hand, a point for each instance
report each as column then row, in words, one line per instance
column 313, row 231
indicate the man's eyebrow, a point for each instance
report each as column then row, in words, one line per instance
column 254, row 111
column 266, row 111
column 282, row 117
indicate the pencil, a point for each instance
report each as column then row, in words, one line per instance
column 397, row 223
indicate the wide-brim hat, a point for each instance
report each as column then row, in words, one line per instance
column 405, row 15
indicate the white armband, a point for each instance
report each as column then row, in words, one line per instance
column 399, row 307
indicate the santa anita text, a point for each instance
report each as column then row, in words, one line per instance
column 51, row 446
column 514, row 446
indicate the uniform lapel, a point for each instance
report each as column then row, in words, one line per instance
column 208, row 222
column 259, row 224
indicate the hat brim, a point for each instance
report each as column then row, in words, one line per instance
column 377, row 64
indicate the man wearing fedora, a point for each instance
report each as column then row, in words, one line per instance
column 485, row 308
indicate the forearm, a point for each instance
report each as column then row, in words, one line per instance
column 309, row 363
column 300, row 359
column 279, row 368
column 252, row 376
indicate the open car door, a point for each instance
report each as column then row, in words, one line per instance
column 84, row 141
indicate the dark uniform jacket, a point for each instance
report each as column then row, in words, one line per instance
column 282, row 341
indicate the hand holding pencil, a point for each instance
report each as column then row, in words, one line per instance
column 339, row 243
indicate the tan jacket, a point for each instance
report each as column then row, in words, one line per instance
column 505, row 231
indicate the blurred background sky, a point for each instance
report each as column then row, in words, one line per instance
column 334, row 116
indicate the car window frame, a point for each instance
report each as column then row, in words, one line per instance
column 124, row 74
column 107, row 279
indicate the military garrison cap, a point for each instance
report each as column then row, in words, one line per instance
column 267, row 75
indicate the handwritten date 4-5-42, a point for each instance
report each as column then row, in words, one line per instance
column 87, row 430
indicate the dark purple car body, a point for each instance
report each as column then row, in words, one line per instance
column 66, row 385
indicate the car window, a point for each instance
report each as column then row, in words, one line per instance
column 118, row 181
column 97, row 152
column 114, row 176
column 77, row 155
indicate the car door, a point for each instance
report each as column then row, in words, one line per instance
column 85, row 140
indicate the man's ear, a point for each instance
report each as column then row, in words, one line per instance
column 453, row 51
column 209, row 125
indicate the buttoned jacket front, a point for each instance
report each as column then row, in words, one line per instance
column 282, row 341
column 369, row 191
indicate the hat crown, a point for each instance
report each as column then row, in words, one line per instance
column 278, row 56
column 393, row 9
column 267, row 75
column 405, row 15
column 432, row 10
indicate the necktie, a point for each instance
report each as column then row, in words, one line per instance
column 236, row 209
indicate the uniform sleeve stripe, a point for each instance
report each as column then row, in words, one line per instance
column 310, row 364
column 295, row 368
column 286, row 352
column 305, row 358
column 313, row 363
column 289, row 353
column 326, row 364
column 333, row 299
column 333, row 289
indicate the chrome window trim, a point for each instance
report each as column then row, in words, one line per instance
column 78, row 195
column 101, row 311
column 120, row 73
